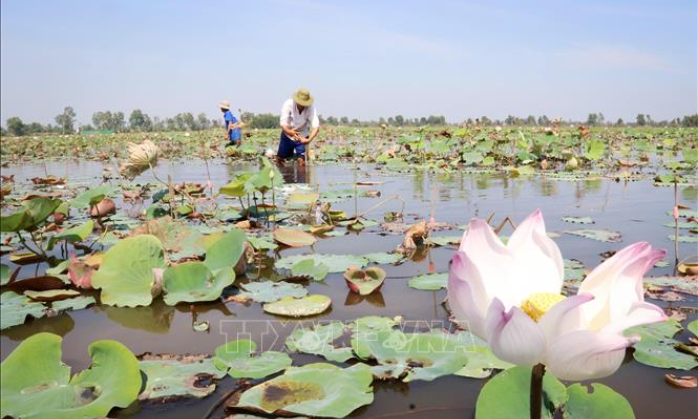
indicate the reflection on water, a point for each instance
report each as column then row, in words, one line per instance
column 453, row 198
column 60, row 325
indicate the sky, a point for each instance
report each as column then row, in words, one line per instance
column 361, row 59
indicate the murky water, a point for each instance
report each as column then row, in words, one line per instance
column 636, row 209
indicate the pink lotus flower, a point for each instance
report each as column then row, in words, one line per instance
column 510, row 296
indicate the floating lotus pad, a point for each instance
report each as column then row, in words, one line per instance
column 315, row 390
column 126, row 275
column 299, row 307
column 429, row 282
column 481, row 363
column 309, row 268
column 37, row 385
column 502, row 395
column 364, row 281
column 76, row 303
column 193, row 282
column 335, row 263
column 318, row 340
column 294, row 237
column 270, row 291
column 602, row 235
column 410, row 356
column 177, row 376
column 384, row 258
column 239, row 360
column 657, row 346
column 601, row 402
column 15, row 308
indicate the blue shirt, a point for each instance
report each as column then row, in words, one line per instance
column 233, row 135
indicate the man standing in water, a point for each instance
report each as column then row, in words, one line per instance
column 232, row 126
column 298, row 115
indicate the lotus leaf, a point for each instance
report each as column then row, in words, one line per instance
column 238, row 358
column 410, row 356
column 176, row 376
column 318, row 340
column 126, row 275
column 36, row 384
column 429, row 282
column 314, row 390
column 299, row 307
column 193, row 281
column 270, row 291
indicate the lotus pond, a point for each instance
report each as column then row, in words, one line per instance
column 208, row 283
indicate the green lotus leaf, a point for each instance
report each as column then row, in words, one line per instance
column 193, row 281
column 270, row 291
column 177, row 376
column 601, row 403
column 77, row 303
column 657, row 346
column 15, row 308
column 315, row 390
column 37, row 385
column 178, row 239
column 683, row 239
column 318, row 340
column 602, row 235
column 126, row 275
column 294, row 237
column 303, row 198
column 15, row 222
column 226, row 251
column 677, row 283
column 299, row 307
column 73, row 235
column 34, row 212
column 236, row 188
column 481, row 363
column 335, row 263
column 384, row 258
column 5, row 274
column 693, row 327
column 429, row 282
column 309, row 268
column 410, row 356
column 444, row 240
column 261, row 244
column 507, row 395
column 93, row 196
column 239, row 359
column 364, row 281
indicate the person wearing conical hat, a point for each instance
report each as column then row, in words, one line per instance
column 299, row 124
column 232, row 126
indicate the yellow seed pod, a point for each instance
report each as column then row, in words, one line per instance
column 537, row 304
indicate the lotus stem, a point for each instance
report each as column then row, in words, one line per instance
column 536, row 401
column 390, row 198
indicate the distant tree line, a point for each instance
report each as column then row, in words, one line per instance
column 139, row 121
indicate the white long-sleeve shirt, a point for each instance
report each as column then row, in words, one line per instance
column 299, row 121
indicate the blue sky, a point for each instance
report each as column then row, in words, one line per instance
column 361, row 59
